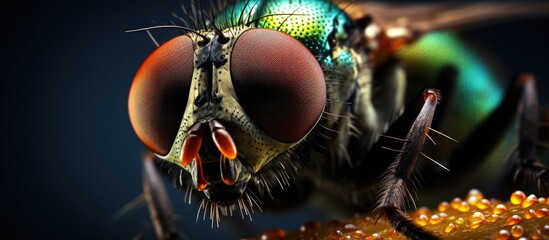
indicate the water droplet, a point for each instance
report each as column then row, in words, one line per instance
column 455, row 203
column 474, row 196
column 476, row 219
column 502, row 235
column 273, row 234
column 529, row 201
column 336, row 235
column 443, row 206
column 421, row 210
column 349, row 227
column 450, row 227
column 393, row 234
column 483, row 204
column 464, row 207
column 435, row 219
column 536, row 235
column 492, row 218
column 309, row 226
column 358, row 234
column 374, row 236
column 499, row 209
column 422, row 220
column 529, row 213
column 460, row 221
column 517, row 197
column 515, row 219
column 517, row 231
column 367, row 220
column 542, row 212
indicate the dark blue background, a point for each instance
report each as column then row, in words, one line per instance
column 69, row 156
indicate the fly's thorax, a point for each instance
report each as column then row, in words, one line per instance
column 342, row 71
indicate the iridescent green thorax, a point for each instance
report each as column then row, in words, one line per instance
column 315, row 23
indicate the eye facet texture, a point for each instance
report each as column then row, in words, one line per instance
column 159, row 93
column 278, row 82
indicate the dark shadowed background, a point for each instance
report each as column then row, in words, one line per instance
column 70, row 159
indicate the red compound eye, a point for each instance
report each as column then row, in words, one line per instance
column 159, row 93
column 278, row 82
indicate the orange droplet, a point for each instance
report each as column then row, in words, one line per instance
column 529, row 213
column 517, row 231
column 502, row 235
column 492, row 218
column 460, row 221
column 336, row 235
column 483, row 204
column 349, row 227
column 310, row 226
column 529, row 201
column 435, row 219
column 450, row 227
column 393, row 234
column 536, row 235
column 473, row 197
column 542, row 212
column 443, row 206
column 274, row 234
column 422, row 210
column 499, row 209
column 517, row 197
column 476, row 219
column 422, row 220
column 357, row 234
column 366, row 221
column 515, row 219
column 542, row 200
column 464, row 207
column 374, row 236
column 455, row 203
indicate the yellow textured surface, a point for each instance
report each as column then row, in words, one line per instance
column 474, row 217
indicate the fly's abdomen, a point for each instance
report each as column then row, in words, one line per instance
column 477, row 91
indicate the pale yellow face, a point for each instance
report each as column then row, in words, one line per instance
column 251, row 97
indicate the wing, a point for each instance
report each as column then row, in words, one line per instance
column 427, row 17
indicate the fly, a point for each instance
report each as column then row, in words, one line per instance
column 264, row 97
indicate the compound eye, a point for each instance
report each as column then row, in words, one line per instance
column 278, row 82
column 159, row 92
